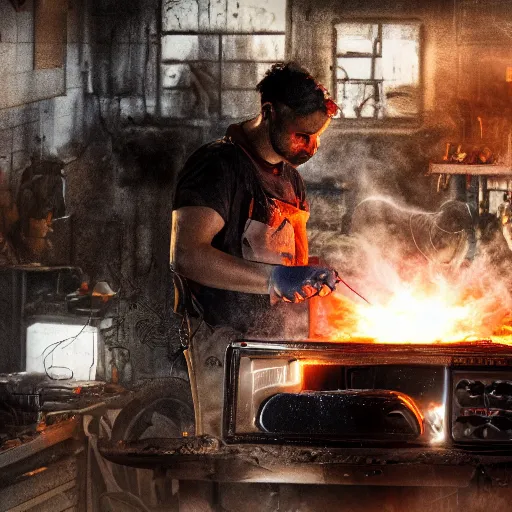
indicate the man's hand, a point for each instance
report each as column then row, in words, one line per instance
column 295, row 284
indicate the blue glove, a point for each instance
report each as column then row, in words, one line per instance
column 295, row 284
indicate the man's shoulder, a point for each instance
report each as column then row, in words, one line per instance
column 220, row 148
column 217, row 158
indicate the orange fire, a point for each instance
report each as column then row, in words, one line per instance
column 417, row 310
column 412, row 316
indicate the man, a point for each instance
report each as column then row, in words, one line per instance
column 239, row 249
column 240, row 212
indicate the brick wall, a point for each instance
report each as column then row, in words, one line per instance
column 44, row 113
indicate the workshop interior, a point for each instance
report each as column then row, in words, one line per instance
column 392, row 393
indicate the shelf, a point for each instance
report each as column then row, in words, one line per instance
column 356, row 55
column 369, row 81
column 475, row 170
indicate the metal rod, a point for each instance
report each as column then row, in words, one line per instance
column 339, row 280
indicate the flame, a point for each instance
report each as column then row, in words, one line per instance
column 418, row 306
column 414, row 316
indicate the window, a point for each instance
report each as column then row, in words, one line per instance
column 214, row 53
column 378, row 70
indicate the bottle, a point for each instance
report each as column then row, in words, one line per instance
column 114, row 373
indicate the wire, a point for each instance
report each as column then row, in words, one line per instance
column 430, row 228
column 58, row 344
column 93, row 355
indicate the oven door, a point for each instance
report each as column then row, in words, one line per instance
column 325, row 393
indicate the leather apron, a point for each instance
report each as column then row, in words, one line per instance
column 282, row 240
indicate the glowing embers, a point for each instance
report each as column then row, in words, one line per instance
column 439, row 312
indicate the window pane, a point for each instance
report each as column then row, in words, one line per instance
column 396, row 32
column 400, row 51
column 190, row 47
column 222, row 15
column 240, row 103
column 256, row 15
column 401, row 101
column 395, row 91
column 180, row 15
column 358, row 68
column 255, row 48
column 242, row 75
column 198, row 75
column 191, row 76
column 358, row 100
column 212, row 15
column 191, row 103
column 175, row 75
column 356, row 37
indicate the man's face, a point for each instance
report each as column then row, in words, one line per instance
column 294, row 138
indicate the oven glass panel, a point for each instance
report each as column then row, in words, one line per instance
column 315, row 398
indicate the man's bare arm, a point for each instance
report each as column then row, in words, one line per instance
column 192, row 255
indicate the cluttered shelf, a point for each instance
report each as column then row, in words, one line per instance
column 475, row 158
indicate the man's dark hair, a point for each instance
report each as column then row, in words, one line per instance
column 292, row 85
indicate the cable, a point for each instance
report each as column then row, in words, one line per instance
column 433, row 225
column 174, row 357
column 58, row 344
column 93, row 355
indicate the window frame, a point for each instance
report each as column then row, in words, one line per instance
column 386, row 123
column 219, row 63
column 218, row 113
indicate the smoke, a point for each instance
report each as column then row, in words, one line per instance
column 366, row 165
column 413, row 267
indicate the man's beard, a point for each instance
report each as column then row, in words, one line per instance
column 293, row 158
